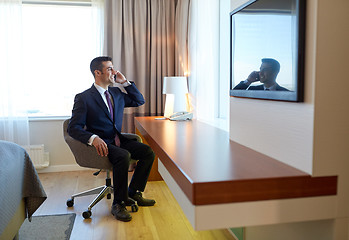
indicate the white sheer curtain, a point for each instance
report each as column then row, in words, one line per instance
column 14, row 125
column 98, row 13
column 209, row 51
column 204, row 58
column 181, row 37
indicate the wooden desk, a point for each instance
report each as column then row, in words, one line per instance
column 209, row 169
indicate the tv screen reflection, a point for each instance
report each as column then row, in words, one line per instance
column 267, row 50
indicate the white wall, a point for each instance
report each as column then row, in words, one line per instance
column 331, row 113
column 312, row 136
column 280, row 130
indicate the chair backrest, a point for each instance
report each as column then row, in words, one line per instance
column 85, row 155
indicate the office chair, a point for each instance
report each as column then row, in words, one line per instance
column 87, row 156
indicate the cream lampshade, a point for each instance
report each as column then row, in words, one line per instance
column 175, row 89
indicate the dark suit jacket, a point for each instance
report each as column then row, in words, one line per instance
column 243, row 86
column 90, row 114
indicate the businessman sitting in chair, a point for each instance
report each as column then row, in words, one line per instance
column 97, row 119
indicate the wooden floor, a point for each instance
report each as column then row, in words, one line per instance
column 165, row 220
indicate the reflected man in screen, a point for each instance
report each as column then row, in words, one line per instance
column 267, row 76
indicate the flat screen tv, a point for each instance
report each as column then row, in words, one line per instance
column 267, row 50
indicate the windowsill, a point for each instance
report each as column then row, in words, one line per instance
column 221, row 123
column 47, row 118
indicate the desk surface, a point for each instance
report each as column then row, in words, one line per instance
column 211, row 169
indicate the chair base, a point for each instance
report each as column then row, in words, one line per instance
column 102, row 191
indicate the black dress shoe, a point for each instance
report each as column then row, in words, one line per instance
column 120, row 212
column 142, row 201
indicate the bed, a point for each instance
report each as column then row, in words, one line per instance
column 21, row 192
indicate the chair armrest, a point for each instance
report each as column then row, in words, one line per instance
column 132, row 136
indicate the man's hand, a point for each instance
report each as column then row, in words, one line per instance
column 253, row 77
column 101, row 146
column 120, row 78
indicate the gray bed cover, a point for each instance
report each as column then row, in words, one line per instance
column 18, row 180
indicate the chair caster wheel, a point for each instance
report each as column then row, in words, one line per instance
column 87, row 214
column 134, row 208
column 108, row 196
column 70, row 202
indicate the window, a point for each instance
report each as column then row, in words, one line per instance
column 58, row 45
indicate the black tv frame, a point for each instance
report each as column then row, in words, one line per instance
column 294, row 96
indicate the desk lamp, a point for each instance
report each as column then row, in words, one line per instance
column 175, row 89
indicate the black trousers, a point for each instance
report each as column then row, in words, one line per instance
column 120, row 158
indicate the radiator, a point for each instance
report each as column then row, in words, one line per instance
column 39, row 157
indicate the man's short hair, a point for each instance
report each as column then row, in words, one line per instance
column 97, row 63
column 274, row 64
